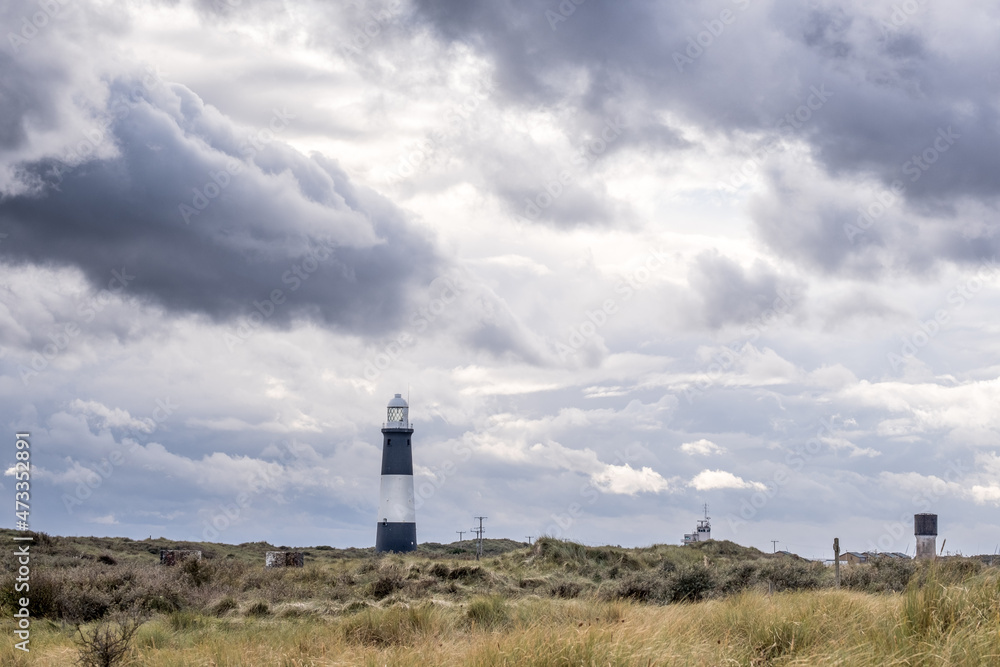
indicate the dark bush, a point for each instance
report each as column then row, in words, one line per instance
column 43, row 596
column 643, row 587
column 83, row 605
column 668, row 566
column 224, row 605
column 880, row 574
column 740, row 576
column 440, row 570
column 466, row 572
column 368, row 565
column 691, row 584
column 723, row 548
column 786, row 574
column 259, row 608
column 566, row 589
column 384, row 586
column 163, row 598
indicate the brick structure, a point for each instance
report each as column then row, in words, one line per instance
column 177, row 556
column 283, row 559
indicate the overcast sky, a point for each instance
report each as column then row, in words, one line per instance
column 625, row 258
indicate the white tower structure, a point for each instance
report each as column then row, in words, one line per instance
column 925, row 529
column 397, row 520
column 703, row 532
column 704, row 527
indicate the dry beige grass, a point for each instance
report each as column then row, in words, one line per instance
column 946, row 625
column 557, row 604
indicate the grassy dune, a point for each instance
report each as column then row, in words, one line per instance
column 556, row 603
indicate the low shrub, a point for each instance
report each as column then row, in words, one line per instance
column 488, row 612
column 643, row 587
column 184, row 620
column 223, row 606
column 787, row 574
column 466, row 573
column 259, row 608
column 691, row 583
column 739, row 576
column 565, row 589
column 384, row 586
column 879, row 575
column 389, row 627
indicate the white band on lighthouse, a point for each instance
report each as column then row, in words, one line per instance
column 396, row 499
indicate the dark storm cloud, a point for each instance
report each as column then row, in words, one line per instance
column 209, row 217
column 21, row 102
column 890, row 100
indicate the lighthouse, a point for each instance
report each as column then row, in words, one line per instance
column 397, row 519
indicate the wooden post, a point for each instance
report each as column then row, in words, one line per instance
column 836, row 560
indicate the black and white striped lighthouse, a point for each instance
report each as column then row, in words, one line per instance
column 397, row 518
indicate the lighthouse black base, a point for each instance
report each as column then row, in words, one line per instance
column 396, row 536
column 397, row 518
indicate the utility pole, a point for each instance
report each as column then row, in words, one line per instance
column 479, row 536
column 774, row 546
column 836, row 560
column 529, row 539
column 460, row 533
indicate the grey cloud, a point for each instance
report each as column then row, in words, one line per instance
column 730, row 295
column 859, row 305
column 831, row 227
column 890, row 94
column 230, row 249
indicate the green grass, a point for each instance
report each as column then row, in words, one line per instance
column 556, row 603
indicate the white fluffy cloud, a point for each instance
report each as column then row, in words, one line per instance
column 702, row 447
column 707, row 480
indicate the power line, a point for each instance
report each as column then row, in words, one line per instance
column 479, row 536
